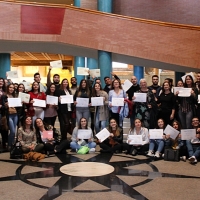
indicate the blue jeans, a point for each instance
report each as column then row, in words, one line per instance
column 98, row 126
column 82, row 112
column 75, row 145
column 185, row 119
column 156, row 144
column 193, row 150
column 13, row 119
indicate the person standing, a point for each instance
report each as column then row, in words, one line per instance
column 56, row 79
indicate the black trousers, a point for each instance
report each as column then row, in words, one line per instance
column 50, row 120
column 140, row 149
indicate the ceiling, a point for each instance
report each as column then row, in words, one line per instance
column 38, row 59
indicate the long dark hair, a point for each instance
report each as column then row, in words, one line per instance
column 117, row 128
column 163, row 122
column 133, row 124
column 32, row 90
column 193, row 85
column 19, row 86
column 4, row 85
column 48, row 92
column 178, row 123
column 79, row 125
column 170, row 87
column 80, row 88
column 7, row 90
column 94, row 93
column 24, row 123
column 61, row 85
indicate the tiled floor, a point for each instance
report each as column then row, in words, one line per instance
column 118, row 176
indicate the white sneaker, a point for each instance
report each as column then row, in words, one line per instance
column 157, row 154
column 150, row 153
column 92, row 150
column 183, row 158
column 192, row 159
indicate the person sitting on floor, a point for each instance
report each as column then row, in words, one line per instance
column 137, row 129
column 77, row 142
column 113, row 144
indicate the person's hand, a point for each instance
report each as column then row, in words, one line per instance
column 6, row 105
column 90, row 139
column 89, row 104
column 133, row 98
column 99, row 141
column 171, row 116
column 177, row 93
column 129, row 141
column 179, row 135
column 50, row 68
column 32, row 101
column 149, row 106
column 111, row 135
column 110, row 104
column 112, row 73
column 77, row 139
column 154, row 91
column 167, row 136
column 75, row 102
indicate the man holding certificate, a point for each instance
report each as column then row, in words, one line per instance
column 82, row 136
column 137, row 140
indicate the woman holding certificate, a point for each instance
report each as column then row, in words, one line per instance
column 12, row 115
column 50, row 112
column 36, row 111
column 187, row 108
column 82, row 136
column 27, row 137
column 114, row 142
column 81, row 100
column 137, row 139
column 47, row 136
column 101, row 111
column 167, row 104
column 116, row 100
column 64, row 108
column 145, row 110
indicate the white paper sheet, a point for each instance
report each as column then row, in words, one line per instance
column 14, row 102
column 103, row 134
column 140, row 97
column 82, row 102
column 177, row 89
column 156, row 133
column 82, row 71
column 127, row 84
column 56, row 64
column 52, row 100
column 97, row 101
column 169, row 130
column 12, row 74
column 64, row 99
column 95, row 72
column 184, row 92
column 117, row 101
column 84, row 134
column 188, row 134
column 135, row 139
column 39, row 103
column 24, row 97
column 198, row 98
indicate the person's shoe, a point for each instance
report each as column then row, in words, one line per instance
column 150, row 153
column 192, row 159
column 92, row 150
column 134, row 152
column 157, row 154
column 183, row 158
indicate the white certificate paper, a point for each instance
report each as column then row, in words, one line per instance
column 82, row 102
column 24, row 97
column 135, row 139
column 12, row 74
column 52, row 100
column 127, row 84
column 95, row 72
column 198, row 98
column 177, row 89
column 169, row 130
column 84, row 134
column 184, row 92
column 82, row 71
column 117, row 101
column 156, row 133
column 39, row 103
column 188, row 134
column 56, row 64
column 14, row 102
column 103, row 134
column 97, row 101
column 64, row 99
column 140, row 97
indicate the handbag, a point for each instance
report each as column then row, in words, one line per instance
column 171, row 155
column 16, row 151
column 4, row 123
column 83, row 150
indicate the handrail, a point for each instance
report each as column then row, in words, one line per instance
column 147, row 21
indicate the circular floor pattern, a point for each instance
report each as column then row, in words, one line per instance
column 87, row 169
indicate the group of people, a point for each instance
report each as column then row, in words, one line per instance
column 162, row 107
